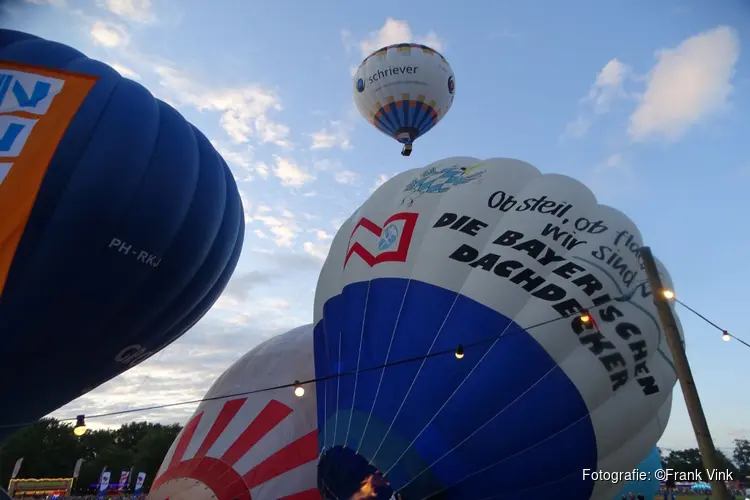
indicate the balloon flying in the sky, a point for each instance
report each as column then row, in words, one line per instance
column 404, row 90
column 120, row 225
column 486, row 268
column 261, row 446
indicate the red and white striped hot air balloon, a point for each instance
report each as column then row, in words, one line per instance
column 254, row 447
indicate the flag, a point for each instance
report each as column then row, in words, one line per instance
column 16, row 468
column 139, row 483
column 77, row 468
column 123, row 480
column 103, row 484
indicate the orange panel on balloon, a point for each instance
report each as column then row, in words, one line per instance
column 36, row 107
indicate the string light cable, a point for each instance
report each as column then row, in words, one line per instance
column 458, row 352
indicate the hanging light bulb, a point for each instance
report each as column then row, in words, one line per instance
column 459, row 352
column 585, row 317
column 80, row 427
column 725, row 336
column 668, row 294
column 299, row 391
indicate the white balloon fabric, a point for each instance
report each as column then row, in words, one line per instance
column 500, row 259
column 254, row 447
column 404, row 90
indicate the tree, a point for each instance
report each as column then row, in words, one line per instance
column 687, row 461
column 741, row 457
column 50, row 449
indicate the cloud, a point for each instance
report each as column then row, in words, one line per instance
column 54, row 3
column 336, row 135
column 393, row 31
column 607, row 87
column 108, row 34
column 290, row 174
column 244, row 109
column 346, row 177
column 612, row 178
column 688, row 83
column 125, row 71
column 241, row 284
column 317, row 250
column 381, row 179
column 281, row 224
column 138, row 11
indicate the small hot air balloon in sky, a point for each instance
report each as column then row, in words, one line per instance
column 480, row 273
column 261, row 446
column 404, row 90
column 120, row 225
column 650, row 485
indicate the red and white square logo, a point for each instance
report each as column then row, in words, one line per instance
column 388, row 242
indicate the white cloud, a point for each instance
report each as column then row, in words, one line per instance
column 125, row 71
column 335, row 135
column 243, row 109
column 607, row 87
column 612, row 178
column 108, row 34
column 138, row 11
column 393, row 31
column 689, row 82
column 283, row 226
column 317, row 250
column 346, row 177
column 382, row 179
column 290, row 174
column 260, row 234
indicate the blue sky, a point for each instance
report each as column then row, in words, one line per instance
column 641, row 100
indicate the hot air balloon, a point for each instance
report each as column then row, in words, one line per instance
column 261, row 446
column 456, row 358
column 404, row 90
column 648, row 487
column 121, row 225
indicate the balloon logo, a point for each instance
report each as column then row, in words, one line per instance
column 230, row 469
column 390, row 235
column 360, row 85
column 451, row 84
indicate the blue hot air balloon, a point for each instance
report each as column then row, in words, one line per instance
column 454, row 357
column 649, row 487
column 120, row 225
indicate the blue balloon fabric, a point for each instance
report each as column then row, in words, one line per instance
column 649, row 487
column 135, row 231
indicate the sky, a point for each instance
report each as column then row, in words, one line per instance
column 645, row 102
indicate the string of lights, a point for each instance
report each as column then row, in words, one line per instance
column 299, row 390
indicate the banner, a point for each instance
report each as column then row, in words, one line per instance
column 103, row 484
column 77, row 468
column 123, row 480
column 16, row 468
column 139, row 483
column 36, row 106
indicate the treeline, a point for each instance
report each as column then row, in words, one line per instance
column 50, row 450
column 690, row 460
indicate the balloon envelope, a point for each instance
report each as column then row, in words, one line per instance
column 648, row 487
column 404, row 90
column 121, row 225
column 257, row 446
column 497, row 258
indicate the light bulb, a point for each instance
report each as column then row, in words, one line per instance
column 726, row 337
column 668, row 294
column 459, row 352
column 299, row 391
column 585, row 318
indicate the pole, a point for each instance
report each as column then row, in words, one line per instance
column 684, row 375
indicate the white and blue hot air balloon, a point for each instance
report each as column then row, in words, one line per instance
column 539, row 291
column 404, row 90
